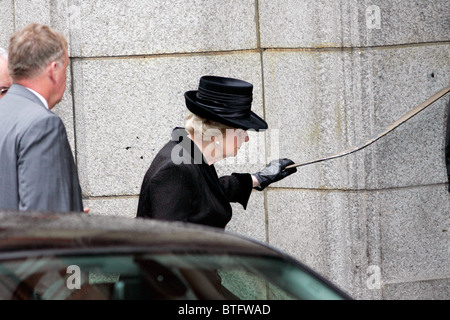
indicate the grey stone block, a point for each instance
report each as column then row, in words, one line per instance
column 126, row 109
column 6, row 23
column 326, row 231
column 57, row 14
column 438, row 289
column 295, row 23
column 414, row 226
column 38, row 11
column 345, row 235
column 252, row 221
column 324, row 102
column 305, row 101
column 117, row 28
column 403, row 22
column 404, row 78
column 327, row 23
column 123, row 207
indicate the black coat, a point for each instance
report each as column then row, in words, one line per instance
column 189, row 191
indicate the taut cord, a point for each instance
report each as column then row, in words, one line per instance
column 381, row 134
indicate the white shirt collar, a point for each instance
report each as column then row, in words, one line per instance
column 40, row 97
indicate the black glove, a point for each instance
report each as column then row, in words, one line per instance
column 274, row 172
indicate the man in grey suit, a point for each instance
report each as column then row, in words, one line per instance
column 37, row 169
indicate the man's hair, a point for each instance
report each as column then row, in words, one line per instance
column 32, row 49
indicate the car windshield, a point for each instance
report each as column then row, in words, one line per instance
column 159, row 276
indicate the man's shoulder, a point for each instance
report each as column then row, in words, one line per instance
column 23, row 113
column 18, row 103
column 20, row 96
column 29, row 114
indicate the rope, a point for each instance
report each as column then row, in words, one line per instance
column 381, row 134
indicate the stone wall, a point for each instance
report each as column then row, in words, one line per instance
column 327, row 75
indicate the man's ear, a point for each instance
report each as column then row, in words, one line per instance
column 52, row 70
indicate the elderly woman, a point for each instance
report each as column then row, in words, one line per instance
column 181, row 183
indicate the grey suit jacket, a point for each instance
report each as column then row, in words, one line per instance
column 37, row 169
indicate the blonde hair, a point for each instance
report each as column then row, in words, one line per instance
column 197, row 125
column 32, row 49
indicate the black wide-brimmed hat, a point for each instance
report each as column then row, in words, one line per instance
column 225, row 100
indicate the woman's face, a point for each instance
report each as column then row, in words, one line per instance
column 232, row 141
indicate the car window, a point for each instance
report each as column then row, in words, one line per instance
column 158, row 276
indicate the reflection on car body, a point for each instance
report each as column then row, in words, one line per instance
column 76, row 256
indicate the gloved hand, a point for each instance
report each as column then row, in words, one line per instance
column 274, row 172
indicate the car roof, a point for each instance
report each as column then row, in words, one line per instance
column 33, row 232
column 36, row 234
